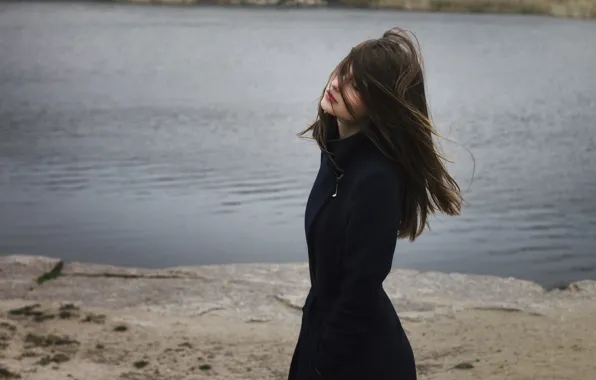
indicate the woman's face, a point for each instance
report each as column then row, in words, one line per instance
column 333, row 103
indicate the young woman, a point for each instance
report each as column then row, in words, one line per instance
column 381, row 177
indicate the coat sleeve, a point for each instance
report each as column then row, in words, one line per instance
column 371, row 238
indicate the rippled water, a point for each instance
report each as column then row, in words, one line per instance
column 162, row 136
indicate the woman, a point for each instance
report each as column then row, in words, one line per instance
column 381, row 177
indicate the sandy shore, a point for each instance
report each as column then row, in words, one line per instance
column 241, row 322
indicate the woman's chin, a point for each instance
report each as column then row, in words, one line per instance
column 327, row 107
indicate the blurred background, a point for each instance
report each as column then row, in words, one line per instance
column 162, row 136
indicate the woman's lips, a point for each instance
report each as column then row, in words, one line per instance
column 330, row 97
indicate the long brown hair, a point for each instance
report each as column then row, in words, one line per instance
column 388, row 75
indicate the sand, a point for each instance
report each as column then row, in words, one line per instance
column 114, row 323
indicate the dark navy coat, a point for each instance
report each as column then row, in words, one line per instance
column 350, row 329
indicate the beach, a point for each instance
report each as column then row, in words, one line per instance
column 241, row 321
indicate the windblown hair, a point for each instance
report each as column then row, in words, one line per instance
column 388, row 75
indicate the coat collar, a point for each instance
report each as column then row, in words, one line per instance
column 342, row 150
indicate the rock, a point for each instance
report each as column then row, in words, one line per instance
column 18, row 274
column 254, row 293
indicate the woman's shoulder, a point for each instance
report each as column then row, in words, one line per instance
column 374, row 171
column 376, row 164
column 375, row 185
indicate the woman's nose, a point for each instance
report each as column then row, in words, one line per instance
column 334, row 85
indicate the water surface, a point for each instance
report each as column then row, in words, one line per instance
column 161, row 136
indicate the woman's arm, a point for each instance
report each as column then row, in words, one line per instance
column 370, row 244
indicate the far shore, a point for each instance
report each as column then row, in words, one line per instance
column 69, row 320
column 582, row 9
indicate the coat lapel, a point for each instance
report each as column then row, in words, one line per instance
column 319, row 194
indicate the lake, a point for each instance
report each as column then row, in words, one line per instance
column 162, row 136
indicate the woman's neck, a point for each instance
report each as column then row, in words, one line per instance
column 346, row 129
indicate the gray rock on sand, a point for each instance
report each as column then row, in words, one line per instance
column 264, row 292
